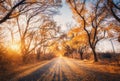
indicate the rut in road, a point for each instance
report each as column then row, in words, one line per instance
column 66, row 69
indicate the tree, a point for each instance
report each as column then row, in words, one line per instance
column 90, row 21
column 119, row 38
column 47, row 34
column 112, row 32
column 36, row 35
column 114, row 8
column 29, row 11
column 81, row 51
column 79, row 40
column 11, row 9
column 76, row 39
column 7, row 8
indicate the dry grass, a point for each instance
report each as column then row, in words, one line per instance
column 25, row 69
column 98, row 66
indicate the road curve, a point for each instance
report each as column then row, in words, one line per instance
column 66, row 69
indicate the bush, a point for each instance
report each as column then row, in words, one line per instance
column 47, row 56
column 8, row 60
column 88, row 56
column 4, row 61
column 109, row 57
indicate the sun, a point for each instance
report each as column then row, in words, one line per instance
column 15, row 47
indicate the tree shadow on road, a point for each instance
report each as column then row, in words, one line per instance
column 34, row 76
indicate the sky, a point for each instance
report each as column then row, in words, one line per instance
column 106, row 46
column 65, row 17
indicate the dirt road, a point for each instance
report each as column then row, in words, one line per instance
column 66, row 69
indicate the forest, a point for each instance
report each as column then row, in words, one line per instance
column 30, row 36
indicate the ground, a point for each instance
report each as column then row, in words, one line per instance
column 67, row 69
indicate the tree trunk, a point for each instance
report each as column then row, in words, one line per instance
column 38, row 56
column 72, row 56
column 112, row 46
column 95, row 55
column 81, row 56
column 24, row 59
column 38, row 53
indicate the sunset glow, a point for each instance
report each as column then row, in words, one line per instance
column 15, row 47
column 60, row 56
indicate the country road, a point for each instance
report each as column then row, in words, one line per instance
column 66, row 69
